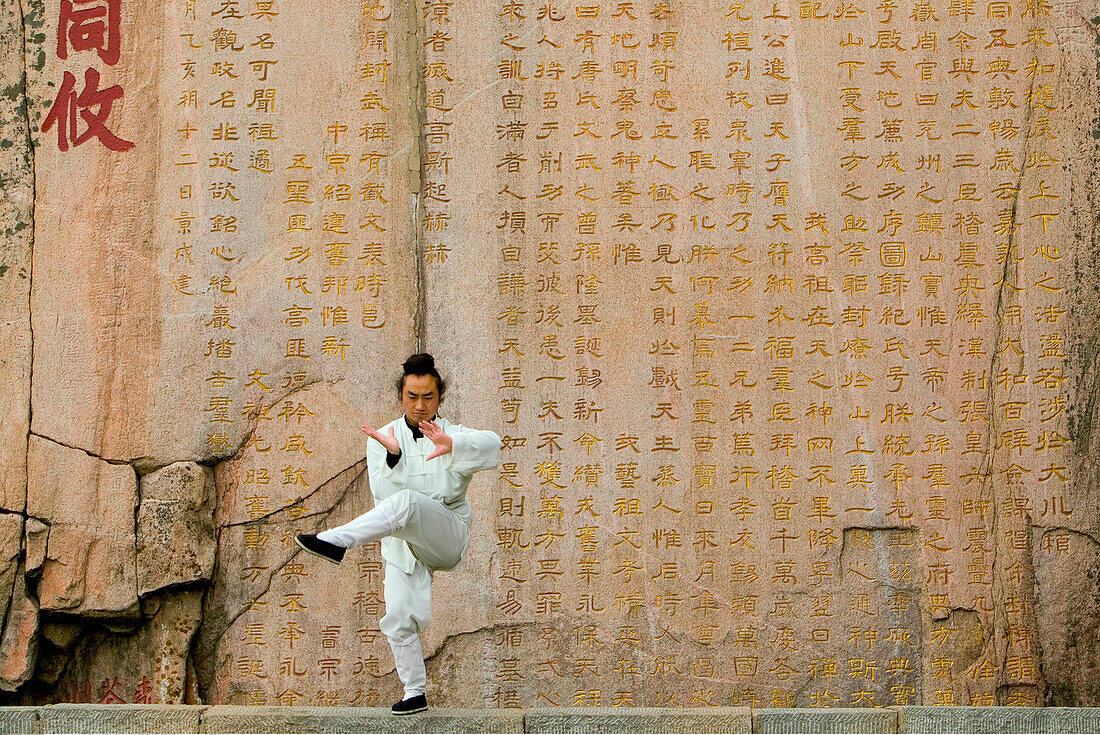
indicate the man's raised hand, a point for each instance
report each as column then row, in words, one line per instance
column 443, row 443
column 388, row 441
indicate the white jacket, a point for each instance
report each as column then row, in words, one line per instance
column 443, row 478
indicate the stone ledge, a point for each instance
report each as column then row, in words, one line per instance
column 839, row 720
column 106, row 718
column 998, row 719
column 134, row 718
column 20, row 719
column 638, row 719
column 227, row 718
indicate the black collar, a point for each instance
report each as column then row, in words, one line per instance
column 416, row 432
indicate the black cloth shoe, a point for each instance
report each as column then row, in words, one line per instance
column 323, row 549
column 412, row 705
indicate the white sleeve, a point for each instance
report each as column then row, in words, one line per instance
column 472, row 450
column 384, row 480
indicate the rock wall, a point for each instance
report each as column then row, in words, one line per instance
column 786, row 312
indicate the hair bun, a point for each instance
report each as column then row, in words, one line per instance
column 422, row 363
column 421, row 360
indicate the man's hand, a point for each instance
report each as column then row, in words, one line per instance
column 388, row 441
column 443, row 443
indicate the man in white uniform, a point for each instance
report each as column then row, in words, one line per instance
column 419, row 466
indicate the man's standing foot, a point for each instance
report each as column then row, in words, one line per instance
column 412, row 705
column 323, row 549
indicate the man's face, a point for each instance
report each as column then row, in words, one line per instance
column 420, row 397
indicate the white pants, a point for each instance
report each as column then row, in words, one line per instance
column 437, row 538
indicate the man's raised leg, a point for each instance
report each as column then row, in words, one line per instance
column 435, row 534
column 437, row 537
column 373, row 525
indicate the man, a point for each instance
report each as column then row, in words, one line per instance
column 419, row 466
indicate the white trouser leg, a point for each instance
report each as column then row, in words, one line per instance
column 408, row 658
column 373, row 525
column 408, row 611
column 408, row 601
column 438, row 538
column 436, row 535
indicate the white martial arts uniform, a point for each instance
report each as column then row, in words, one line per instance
column 423, row 520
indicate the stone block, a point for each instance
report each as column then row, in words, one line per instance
column 998, row 719
column 638, row 719
column 19, row 720
column 175, row 527
column 783, row 720
column 1067, row 609
column 153, row 657
column 232, row 718
column 89, row 568
column 136, row 718
column 17, row 225
column 19, row 642
column 1071, row 719
column 37, row 534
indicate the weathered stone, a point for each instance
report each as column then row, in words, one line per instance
column 228, row 718
column 133, row 718
column 175, row 527
column 50, row 663
column 790, row 328
column 148, row 666
column 11, row 538
column 638, row 719
column 19, row 643
column 89, row 504
column 58, row 639
column 16, row 238
column 825, row 719
column 131, row 271
column 448, row 660
column 998, row 719
column 36, row 538
column 1067, row 586
column 885, row 548
column 20, row 720
column 98, row 383
column 18, row 613
column 1067, row 613
column 288, row 446
column 61, row 633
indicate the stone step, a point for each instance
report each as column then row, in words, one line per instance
column 136, row 718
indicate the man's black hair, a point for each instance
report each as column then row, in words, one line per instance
column 420, row 364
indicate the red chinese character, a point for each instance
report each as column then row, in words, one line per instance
column 82, row 692
column 95, row 26
column 144, row 692
column 108, row 688
column 69, row 103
